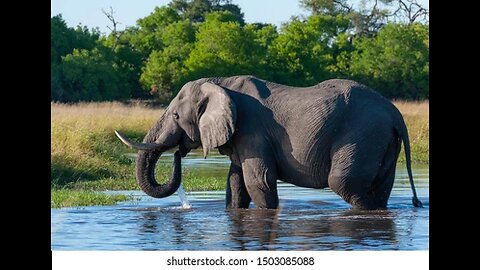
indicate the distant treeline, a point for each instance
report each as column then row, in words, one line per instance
column 384, row 47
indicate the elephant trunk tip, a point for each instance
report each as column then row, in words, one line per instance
column 145, row 167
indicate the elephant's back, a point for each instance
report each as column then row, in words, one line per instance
column 313, row 117
column 314, row 108
column 310, row 118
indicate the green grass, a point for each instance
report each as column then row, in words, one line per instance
column 87, row 157
column 191, row 182
column 69, row 198
column 196, row 183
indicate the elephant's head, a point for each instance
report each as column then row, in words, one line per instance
column 201, row 114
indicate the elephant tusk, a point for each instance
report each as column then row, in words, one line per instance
column 265, row 179
column 137, row 146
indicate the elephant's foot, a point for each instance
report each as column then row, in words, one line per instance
column 237, row 202
column 351, row 191
column 362, row 203
column 266, row 202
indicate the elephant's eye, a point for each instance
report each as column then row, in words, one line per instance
column 175, row 115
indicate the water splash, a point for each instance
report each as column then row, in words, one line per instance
column 183, row 198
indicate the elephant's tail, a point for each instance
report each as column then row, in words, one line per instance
column 403, row 132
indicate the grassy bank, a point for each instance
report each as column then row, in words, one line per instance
column 416, row 115
column 68, row 198
column 86, row 157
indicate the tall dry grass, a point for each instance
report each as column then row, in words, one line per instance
column 83, row 143
column 104, row 115
column 416, row 115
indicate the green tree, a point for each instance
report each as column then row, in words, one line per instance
column 165, row 70
column 395, row 62
column 223, row 48
column 365, row 20
column 327, row 7
column 263, row 38
column 190, row 39
column 369, row 16
column 195, row 10
column 305, row 51
column 233, row 9
column 56, row 88
column 64, row 40
column 147, row 35
column 126, row 62
column 60, row 39
column 89, row 75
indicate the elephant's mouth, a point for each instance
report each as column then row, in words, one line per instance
column 183, row 150
column 186, row 145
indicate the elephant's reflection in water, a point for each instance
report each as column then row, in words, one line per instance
column 364, row 229
column 272, row 229
column 262, row 229
column 254, row 228
column 160, row 226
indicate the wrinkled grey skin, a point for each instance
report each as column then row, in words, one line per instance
column 337, row 134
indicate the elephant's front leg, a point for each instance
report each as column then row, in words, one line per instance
column 261, row 182
column 237, row 195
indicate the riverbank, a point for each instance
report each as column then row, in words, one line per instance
column 87, row 158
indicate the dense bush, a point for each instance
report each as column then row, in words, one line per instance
column 395, row 61
column 190, row 39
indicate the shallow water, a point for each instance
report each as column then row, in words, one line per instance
column 308, row 219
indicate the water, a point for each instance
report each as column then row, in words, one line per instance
column 183, row 197
column 308, row 219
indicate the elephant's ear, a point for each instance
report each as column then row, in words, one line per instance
column 217, row 116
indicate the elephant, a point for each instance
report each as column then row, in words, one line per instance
column 338, row 134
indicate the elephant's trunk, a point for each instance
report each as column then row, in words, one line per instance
column 152, row 147
column 145, row 167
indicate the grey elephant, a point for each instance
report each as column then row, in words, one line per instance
column 338, row 134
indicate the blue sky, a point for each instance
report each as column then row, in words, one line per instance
column 88, row 12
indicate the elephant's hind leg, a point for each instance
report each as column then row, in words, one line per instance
column 353, row 171
column 352, row 191
column 381, row 193
column 236, row 193
column 383, row 184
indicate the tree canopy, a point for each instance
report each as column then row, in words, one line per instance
column 381, row 43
